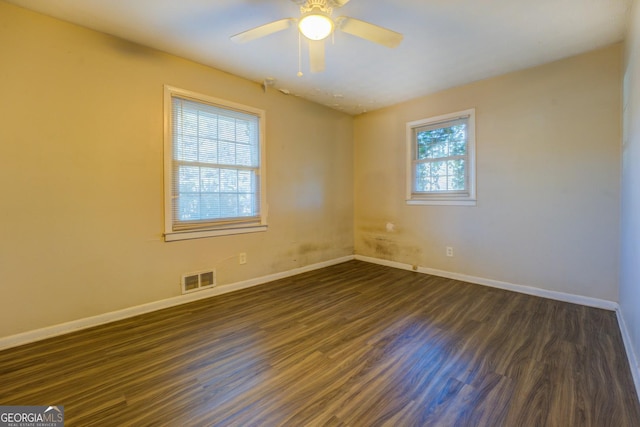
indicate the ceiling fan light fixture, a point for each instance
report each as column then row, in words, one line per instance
column 316, row 25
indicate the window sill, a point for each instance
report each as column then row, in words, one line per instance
column 440, row 202
column 201, row 234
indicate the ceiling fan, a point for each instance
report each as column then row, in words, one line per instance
column 316, row 24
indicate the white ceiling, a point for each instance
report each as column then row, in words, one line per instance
column 446, row 42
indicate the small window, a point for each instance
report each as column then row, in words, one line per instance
column 214, row 167
column 441, row 160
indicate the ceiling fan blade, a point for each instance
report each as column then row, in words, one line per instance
column 369, row 31
column 316, row 55
column 263, row 30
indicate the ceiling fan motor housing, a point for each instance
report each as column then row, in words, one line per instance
column 327, row 3
column 315, row 6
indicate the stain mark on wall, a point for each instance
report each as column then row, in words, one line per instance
column 388, row 241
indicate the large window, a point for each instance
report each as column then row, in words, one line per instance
column 214, row 167
column 441, row 160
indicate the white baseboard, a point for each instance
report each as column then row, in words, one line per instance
column 631, row 355
column 529, row 290
column 76, row 325
column 101, row 319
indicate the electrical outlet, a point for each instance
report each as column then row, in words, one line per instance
column 242, row 258
column 449, row 251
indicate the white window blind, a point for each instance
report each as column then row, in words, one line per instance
column 215, row 166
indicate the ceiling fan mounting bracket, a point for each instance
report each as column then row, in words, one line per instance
column 307, row 5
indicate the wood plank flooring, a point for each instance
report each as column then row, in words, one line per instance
column 354, row 344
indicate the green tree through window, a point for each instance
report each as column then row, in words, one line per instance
column 443, row 152
column 442, row 159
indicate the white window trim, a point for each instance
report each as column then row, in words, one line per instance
column 223, row 229
column 442, row 199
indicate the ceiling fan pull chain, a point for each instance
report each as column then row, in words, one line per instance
column 299, row 55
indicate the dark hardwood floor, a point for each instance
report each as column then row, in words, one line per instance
column 355, row 344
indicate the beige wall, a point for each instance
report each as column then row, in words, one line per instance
column 548, row 162
column 630, row 249
column 81, row 176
